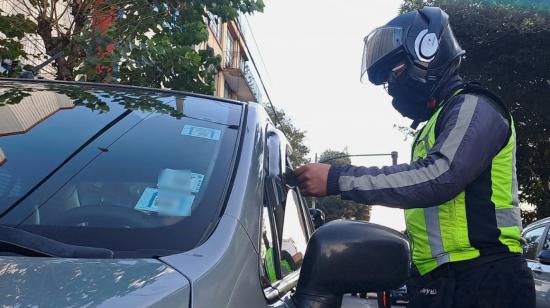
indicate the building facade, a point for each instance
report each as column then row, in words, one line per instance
column 235, row 79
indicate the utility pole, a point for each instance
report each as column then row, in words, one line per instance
column 393, row 154
column 313, row 199
column 394, row 158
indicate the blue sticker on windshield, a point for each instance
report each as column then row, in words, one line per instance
column 148, row 200
column 201, row 132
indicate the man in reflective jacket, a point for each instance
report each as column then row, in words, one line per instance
column 460, row 191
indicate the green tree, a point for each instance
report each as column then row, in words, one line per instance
column 507, row 45
column 333, row 206
column 142, row 42
column 13, row 27
column 295, row 135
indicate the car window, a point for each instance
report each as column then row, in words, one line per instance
column 267, row 261
column 292, row 244
column 128, row 178
column 546, row 244
column 294, row 241
column 532, row 239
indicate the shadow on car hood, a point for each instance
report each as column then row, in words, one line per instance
column 49, row 282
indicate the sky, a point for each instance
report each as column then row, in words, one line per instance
column 310, row 60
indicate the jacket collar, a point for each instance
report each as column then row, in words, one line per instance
column 453, row 83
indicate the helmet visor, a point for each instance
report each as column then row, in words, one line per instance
column 380, row 45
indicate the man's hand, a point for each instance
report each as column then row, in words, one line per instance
column 312, row 179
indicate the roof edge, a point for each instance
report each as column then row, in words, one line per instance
column 120, row 86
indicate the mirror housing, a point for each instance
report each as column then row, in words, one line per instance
column 275, row 163
column 544, row 257
column 351, row 257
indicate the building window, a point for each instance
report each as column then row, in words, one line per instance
column 231, row 56
column 215, row 24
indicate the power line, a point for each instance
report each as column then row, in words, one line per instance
column 276, row 117
column 257, row 48
column 393, row 155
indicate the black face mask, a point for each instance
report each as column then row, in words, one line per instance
column 411, row 98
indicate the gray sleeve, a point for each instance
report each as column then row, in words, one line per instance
column 470, row 133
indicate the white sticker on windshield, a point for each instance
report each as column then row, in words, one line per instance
column 3, row 157
column 174, row 203
column 175, row 194
column 181, row 180
column 201, row 132
column 166, row 202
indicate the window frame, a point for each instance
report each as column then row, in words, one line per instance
column 546, row 237
column 283, row 284
column 543, row 237
column 215, row 25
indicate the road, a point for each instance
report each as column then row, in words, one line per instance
column 356, row 302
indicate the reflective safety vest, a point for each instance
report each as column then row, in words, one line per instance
column 270, row 266
column 443, row 233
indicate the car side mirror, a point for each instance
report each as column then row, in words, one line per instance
column 274, row 181
column 351, row 257
column 544, row 257
column 317, row 216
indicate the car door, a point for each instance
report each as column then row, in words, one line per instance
column 541, row 274
column 535, row 239
column 286, row 227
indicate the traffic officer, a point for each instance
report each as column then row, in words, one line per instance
column 460, row 190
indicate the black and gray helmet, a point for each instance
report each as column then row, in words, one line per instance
column 422, row 39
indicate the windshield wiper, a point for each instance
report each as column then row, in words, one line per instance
column 29, row 244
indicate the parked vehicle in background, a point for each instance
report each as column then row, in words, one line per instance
column 132, row 197
column 400, row 295
column 536, row 249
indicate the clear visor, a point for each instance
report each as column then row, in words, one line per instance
column 379, row 43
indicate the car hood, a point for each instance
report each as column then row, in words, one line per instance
column 50, row 282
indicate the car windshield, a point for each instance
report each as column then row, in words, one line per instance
column 139, row 172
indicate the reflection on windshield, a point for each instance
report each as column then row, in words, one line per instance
column 118, row 168
column 95, row 99
column 30, row 110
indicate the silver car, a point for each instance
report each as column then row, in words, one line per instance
column 536, row 249
column 118, row 196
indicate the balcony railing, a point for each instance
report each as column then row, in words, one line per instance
column 234, row 60
column 252, row 83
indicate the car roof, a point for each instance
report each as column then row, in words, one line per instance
column 538, row 223
column 96, row 85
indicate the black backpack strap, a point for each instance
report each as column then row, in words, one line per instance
column 479, row 89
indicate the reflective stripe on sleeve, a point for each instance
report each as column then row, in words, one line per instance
column 508, row 217
column 421, row 175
